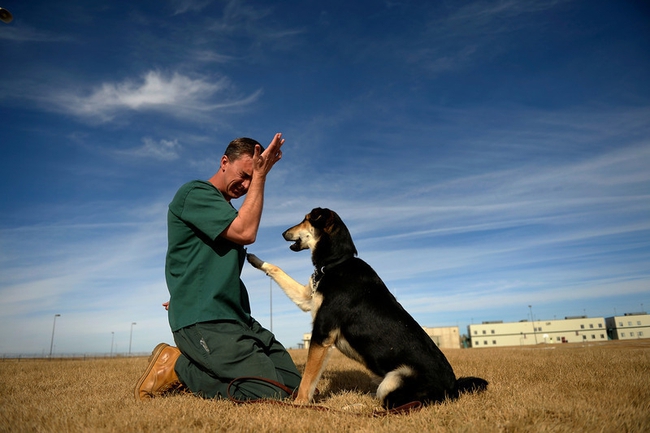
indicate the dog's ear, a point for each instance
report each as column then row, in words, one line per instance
column 319, row 217
column 325, row 219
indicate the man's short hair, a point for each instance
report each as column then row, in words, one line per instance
column 240, row 147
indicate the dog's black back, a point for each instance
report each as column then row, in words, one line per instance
column 373, row 327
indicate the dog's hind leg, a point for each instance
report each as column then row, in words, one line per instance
column 300, row 294
column 316, row 361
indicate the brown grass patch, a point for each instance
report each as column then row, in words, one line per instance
column 564, row 388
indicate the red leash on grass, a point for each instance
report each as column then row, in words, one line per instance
column 405, row 409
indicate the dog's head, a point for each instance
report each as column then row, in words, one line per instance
column 324, row 229
column 306, row 234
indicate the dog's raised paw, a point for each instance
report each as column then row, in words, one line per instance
column 254, row 260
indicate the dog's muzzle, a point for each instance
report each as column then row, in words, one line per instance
column 297, row 242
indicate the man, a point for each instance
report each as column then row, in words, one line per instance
column 209, row 310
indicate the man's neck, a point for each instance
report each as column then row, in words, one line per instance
column 217, row 182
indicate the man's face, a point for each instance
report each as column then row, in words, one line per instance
column 238, row 175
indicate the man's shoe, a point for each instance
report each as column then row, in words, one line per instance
column 159, row 375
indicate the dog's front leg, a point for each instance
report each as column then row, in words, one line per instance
column 300, row 294
column 316, row 361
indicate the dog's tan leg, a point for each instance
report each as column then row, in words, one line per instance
column 316, row 361
column 300, row 294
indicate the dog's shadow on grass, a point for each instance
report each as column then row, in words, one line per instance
column 349, row 380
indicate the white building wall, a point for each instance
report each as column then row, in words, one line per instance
column 629, row 326
column 445, row 338
column 572, row 330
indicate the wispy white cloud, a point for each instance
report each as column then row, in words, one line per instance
column 242, row 19
column 455, row 40
column 172, row 94
column 163, row 150
column 240, row 16
column 28, row 34
column 210, row 56
column 183, row 6
column 102, row 272
column 485, row 17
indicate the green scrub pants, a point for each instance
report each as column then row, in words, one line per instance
column 214, row 353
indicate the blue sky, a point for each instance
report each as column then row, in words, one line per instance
column 486, row 156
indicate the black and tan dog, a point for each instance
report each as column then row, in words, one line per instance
column 353, row 310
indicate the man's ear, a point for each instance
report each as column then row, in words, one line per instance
column 224, row 162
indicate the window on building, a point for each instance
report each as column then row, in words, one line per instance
column 638, row 322
column 475, row 332
column 629, row 323
column 631, row 334
column 484, row 332
column 494, row 342
column 492, row 331
column 600, row 325
column 582, row 326
column 602, row 336
column 558, row 339
column 584, row 337
column 620, row 324
column 622, row 334
column 593, row 336
column 640, row 333
column 485, row 342
column 591, row 326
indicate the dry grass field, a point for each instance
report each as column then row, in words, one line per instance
column 563, row 388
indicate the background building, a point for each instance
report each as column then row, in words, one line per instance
column 570, row 330
column 575, row 329
column 629, row 326
column 445, row 338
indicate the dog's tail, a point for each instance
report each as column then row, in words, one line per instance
column 470, row 384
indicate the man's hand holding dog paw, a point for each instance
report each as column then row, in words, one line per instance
column 254, row 260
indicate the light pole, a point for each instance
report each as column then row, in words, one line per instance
column 131, row 337
column 533, row 320
column 52, row 340
column 112, row 340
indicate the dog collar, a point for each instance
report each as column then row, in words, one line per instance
column 320, row 273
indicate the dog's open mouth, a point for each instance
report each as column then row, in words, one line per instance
column 292, row 237
column 296, row 245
